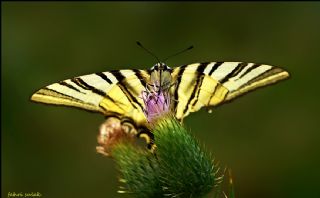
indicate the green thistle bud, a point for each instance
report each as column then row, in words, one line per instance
column 185, row 168
column 179, row 167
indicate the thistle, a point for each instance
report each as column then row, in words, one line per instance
column 157, row 104
column 178, row 167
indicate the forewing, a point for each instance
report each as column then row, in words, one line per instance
column 110, row 93
column 211, row 84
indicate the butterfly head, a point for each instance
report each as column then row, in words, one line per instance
column 160, row 77
column 160, row 66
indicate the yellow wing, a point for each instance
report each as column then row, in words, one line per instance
column 214, row 83
column 114, row 93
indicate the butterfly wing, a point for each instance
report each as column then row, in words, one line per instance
column 110, row 93
column 214, row 83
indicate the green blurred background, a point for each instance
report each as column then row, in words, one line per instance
column 269, row 138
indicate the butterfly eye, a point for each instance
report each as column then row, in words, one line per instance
column 155, row 67
column 166, row 67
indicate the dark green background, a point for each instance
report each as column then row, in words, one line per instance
column 269, row 138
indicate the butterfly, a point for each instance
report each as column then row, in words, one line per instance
column 192, row 86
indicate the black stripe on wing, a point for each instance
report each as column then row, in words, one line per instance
column 63, row 83
column 65, row 96
column 176, row 94
column 234, row 72
column 214, row 67
column 125, row 88
column 197, row 86
column 81, row 83
column 261, row 76
column 139, row 75
column 218, row 85
column 249, row 70
column 104, row 77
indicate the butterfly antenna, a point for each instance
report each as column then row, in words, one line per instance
column 187, row 49
column 152, row 54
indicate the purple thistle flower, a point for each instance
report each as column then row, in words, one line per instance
column 157, row 104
